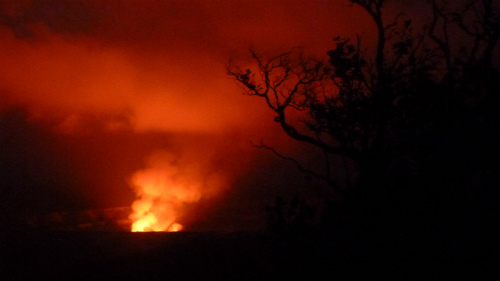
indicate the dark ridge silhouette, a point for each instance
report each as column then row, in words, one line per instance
column 49, row 255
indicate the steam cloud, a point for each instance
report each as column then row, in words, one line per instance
column 164, row 187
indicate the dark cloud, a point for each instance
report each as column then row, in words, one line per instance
column 34, row 173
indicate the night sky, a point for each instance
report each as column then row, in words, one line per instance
column 215, row 118
column 90, row 90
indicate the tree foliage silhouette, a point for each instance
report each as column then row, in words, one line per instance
column 417, row 114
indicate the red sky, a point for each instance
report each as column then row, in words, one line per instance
column 90, row 89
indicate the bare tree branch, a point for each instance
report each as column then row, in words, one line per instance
column 299, row 166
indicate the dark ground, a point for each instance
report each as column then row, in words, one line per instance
column 242, row 256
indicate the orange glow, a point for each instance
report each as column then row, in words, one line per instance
column 175, row 227
column 146, row 222
column 119, row 79
column 162, row 190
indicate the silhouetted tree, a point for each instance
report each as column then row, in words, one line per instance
column 418, row 115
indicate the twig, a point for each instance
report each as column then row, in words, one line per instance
column 297, row 164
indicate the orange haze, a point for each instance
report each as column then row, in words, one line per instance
column 110, row 83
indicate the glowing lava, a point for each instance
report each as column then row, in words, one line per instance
column 163, row 190
column 150, row 223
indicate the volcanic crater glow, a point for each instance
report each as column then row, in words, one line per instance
column 162, row 191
